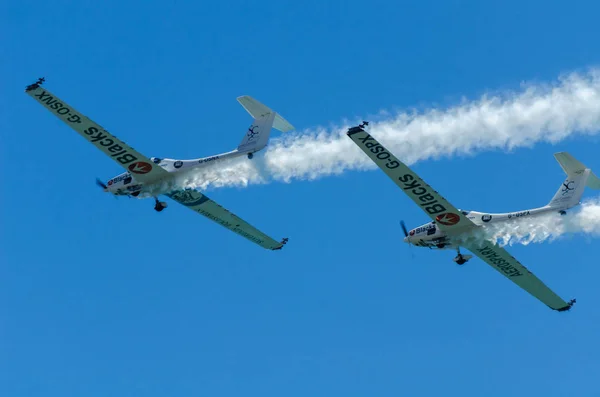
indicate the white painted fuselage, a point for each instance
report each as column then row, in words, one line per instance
column 431, row 236
column 125, row 184
column 567, row 196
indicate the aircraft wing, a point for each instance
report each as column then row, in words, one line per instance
column 446, row 216
column 198, row 202
column 141, row 167
column 498, row 258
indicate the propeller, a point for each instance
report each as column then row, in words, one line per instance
column 404, row 228
column 101, row 184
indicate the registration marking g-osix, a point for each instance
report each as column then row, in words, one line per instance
column 60, row 108
column 99, row 137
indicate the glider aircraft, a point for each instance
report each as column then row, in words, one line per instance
column 450, row 223
column 146, row 174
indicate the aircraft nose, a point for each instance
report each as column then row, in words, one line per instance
column 406, row 239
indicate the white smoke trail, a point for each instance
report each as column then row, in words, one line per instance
column 583, row 220
column 539, row 113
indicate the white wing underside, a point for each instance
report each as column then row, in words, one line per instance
column 201, row 204
column 143, row 169
column 498, row 258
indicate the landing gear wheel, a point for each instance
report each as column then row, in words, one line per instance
column 461, row 259
column 159, row 205
column 250, row 155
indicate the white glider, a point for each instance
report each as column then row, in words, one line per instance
column 147, row 174
column 449, row 223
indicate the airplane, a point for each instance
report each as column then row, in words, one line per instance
column 144, row 176
column 450, row 225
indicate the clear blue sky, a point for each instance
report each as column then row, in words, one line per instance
column 104, row 297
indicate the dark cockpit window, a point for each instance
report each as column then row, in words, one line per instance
column 156, row 160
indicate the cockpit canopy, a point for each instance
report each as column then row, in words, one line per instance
column 156, row 160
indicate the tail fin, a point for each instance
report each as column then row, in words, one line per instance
column 257, row 135
column 257, row 109
column 578, row 177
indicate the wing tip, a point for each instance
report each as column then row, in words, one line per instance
column 357, row 129
column 35, row 85
column 568, row 307
column 281, row 244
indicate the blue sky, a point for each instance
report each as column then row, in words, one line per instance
column 106, row 297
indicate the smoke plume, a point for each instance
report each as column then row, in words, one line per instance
column 550, row 112
column 583, row 220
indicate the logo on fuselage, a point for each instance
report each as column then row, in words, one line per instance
column 251, row 133
column 486, row 218
column 448, row 219
column 140, row 167
column 568, row 187
column 178, row 164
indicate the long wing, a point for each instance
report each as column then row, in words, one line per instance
column 451, row 220
column 198, row 202
column 142, row 168
column 498, row 258
column 447, row 217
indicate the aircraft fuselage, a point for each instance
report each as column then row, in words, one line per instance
column 125, row 184
column 429, row 235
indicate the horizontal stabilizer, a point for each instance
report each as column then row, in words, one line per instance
column 593, row 181
column 572, row 166
column 257, row 109
column 569, row 163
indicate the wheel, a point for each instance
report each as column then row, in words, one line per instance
column 250, row 155
column 159, row 206
column 460, row 260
